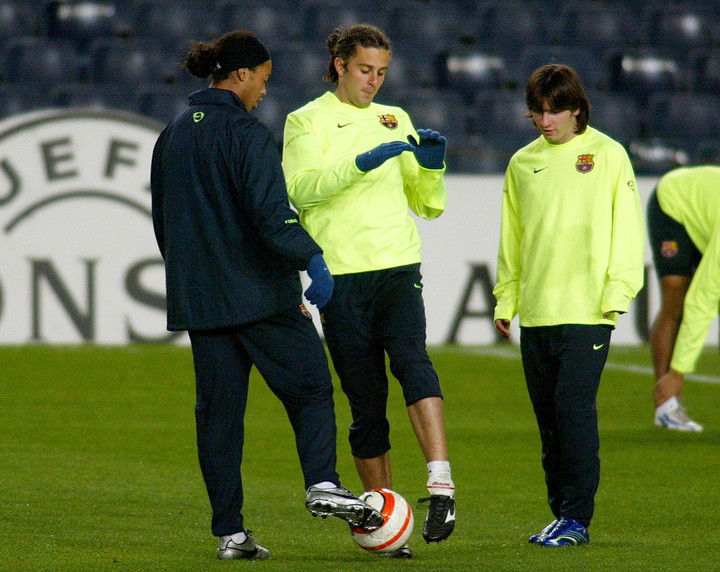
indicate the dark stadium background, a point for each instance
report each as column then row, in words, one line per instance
column 651, row 68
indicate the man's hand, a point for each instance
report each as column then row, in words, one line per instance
column 430, row 151
column 375, row 157
column 321, row 287
column 503, row 328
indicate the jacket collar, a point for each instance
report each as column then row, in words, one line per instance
column 216, row 96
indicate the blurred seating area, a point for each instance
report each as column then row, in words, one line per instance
column 651, row 68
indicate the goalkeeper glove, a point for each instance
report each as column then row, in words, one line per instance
column 321, row 287
column 375, row 157
column 430, row 151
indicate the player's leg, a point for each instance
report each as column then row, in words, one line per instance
column 665, row 329
column 399, row 318
column 374, row 472
column 221, row 370
column 428, row 422
column 291, row 359
column 400, row 321
column 289, row 355
column 675, row 258
column 585, row 350
column 359, row 361
column 539, row 348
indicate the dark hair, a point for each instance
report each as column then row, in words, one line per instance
column 343, row 44
column 559, row 87
column 235, row 50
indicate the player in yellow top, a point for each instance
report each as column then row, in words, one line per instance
column 354, row 170
column 570, row 260
column 684, row 228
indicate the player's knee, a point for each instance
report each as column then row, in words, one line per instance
column 369, row 436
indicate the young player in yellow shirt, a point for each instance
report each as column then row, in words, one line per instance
column 684, row 228
column 570, row 260
column 354, row 170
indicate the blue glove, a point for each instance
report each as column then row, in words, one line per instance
column 321, row 287
column 430, row 152
column 375, row 157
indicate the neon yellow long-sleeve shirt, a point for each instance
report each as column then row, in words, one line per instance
column 691, row 196
column 572, row 235
column 361, row 220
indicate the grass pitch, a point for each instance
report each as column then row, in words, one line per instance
column 98, row 469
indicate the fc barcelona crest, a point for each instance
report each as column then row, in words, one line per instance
column 669, row 248
column 389, row 121
column 585, row 163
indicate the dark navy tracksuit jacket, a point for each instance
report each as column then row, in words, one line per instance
column 231, row 243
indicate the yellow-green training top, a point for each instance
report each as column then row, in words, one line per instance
column 572, row 237
column 361, row 220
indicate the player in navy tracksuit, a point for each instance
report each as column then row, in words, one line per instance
column 233, row 248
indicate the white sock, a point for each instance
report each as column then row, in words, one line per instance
column 325, row 485
column 239, row 537
column 667, row 407
column 440, row 479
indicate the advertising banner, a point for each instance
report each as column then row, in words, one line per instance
column 79, row 262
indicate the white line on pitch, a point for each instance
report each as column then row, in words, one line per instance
column 509, row 353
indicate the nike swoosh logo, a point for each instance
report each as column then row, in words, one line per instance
column 418, row 286
column 535, row 170
column 341, row 125
column 597, row 347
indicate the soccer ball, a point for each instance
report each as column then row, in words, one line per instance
column 397, row 524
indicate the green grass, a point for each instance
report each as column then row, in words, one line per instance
column 98, row 470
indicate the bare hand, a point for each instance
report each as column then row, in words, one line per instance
column 503, row 328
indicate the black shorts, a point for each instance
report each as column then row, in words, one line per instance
column 371, row 314
column 674, row 253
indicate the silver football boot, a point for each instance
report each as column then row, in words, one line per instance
column 340, row 502
column 248, row 550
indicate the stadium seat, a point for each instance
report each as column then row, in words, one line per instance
column 683, row 116
column 707, row 152
column 499, row 117
column 599, row 24
column 681, row 26
column 19, row 19
column 173, row 21
column 591, row 65
column 430, row 25
column 160, row 102
column 303, row 69
column 655, row 156
column 21, row 98
column 95, row 96
column 30, row 59
column 432, row 109
column 706, row 70
column 134, row 62
column 471, row 71
column 512, row 23
column 271, row 20
column 641, row 72
column 616, row 115
column 81, row 22
column 275, row 106
column 409, row 70
column 678, row 128
column 321, row 17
